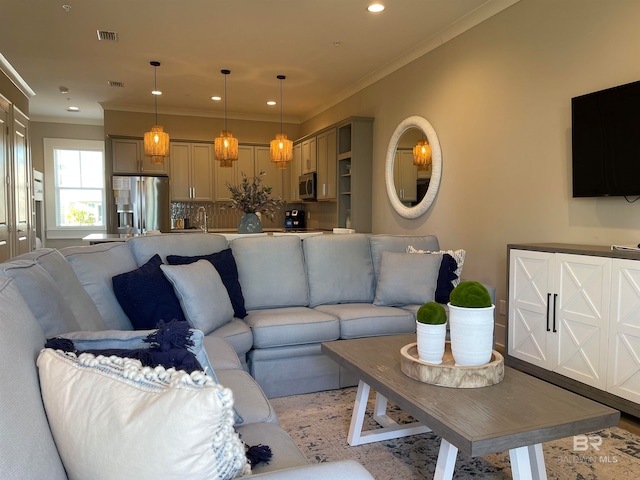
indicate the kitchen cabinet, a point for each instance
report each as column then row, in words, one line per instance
column 574, row 319
column 355, row 159
column 327, row 165
column 252, row 159
column 273, row 177
column 191, row 166
column 128, row 158
column 232, row 175
column 296, row 170
column 309, row 155
column 405, row 175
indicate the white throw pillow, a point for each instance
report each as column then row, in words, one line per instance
column 203, row 297
column 458, row 256
column 111, row 419
column 407, row 279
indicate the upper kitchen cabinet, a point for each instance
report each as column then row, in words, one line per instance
column 309, row 155
column 252, row 159
column 294, row 175
column 233, row 174
column 191, row 176
column 355, row 158
column 128, row 158
column 273, row 176
column 327, row 165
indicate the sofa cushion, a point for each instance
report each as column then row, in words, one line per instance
column 95, row 266
column 111, row 415
column 75, row 296
column 365, row 320
column 249, row 400
column 339, row 268
column 43, row 296
column 286, row 453
column 398, row 244
column 25, row 438
column 271, row 271
column 277, row 327
column 203, row 296
column 146, row 296
column 406, row 279
column 237, row 333
column 226, row 266
column 146, row 246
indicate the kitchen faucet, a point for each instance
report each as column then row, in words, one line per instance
column 204, row 226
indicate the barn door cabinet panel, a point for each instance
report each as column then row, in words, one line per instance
column 574, row 319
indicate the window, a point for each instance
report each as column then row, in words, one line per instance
column 75, row 187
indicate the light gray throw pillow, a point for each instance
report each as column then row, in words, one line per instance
column 407, row 279
column 203, row 297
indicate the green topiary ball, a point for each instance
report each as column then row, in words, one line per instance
column 470, row 294
column 432, row 313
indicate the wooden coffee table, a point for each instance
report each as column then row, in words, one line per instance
column 518, row 414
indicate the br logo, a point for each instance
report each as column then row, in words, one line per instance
column 582, row 443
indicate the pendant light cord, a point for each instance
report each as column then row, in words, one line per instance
column 225, row 98
column 155, row 88
column 281, row 106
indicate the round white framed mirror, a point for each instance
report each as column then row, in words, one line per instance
column 410, row 192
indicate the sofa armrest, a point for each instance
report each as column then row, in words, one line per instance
column 320, row 471
column 221, row 354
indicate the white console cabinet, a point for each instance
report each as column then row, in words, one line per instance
column 574, row 319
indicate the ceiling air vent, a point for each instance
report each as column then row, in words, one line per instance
column 116, row 84
column 108, row 36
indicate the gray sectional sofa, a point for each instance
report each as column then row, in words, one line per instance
column 296, row 294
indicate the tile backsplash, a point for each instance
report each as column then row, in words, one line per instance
column 323, row 215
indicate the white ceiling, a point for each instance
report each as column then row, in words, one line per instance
column 328, row 49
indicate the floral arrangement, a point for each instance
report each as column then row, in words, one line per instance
column 252, row 197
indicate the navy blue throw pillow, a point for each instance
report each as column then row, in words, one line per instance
column 146, row 296
column 446, row 276
column 225, row 264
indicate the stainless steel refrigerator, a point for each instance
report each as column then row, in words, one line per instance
column 140, row 204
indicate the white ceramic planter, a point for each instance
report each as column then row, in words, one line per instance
column 471, row 332
column 431, row 340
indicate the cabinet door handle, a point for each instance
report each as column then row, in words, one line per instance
column 548, row 307
column 555, row 298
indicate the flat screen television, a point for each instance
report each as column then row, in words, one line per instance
column 605, row 140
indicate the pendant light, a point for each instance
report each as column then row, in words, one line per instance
column 422, row 155
column 281, row 148
column 156, row 142
column 226, row 147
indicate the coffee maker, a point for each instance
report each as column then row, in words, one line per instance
column 294, row 220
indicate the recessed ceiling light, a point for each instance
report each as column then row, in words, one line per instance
column 156, row 92
column 216, row 98
column 73, row 109
column 271, row 102
column 375, row 8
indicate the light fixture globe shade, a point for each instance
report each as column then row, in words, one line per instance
column 226, row 148
column 156, row 145
column 422, row 155
column 281, row 150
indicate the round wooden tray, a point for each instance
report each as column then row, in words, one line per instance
column 447, row 374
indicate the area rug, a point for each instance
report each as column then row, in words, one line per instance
column 319, row 423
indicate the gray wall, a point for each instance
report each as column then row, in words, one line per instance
column 498, row 97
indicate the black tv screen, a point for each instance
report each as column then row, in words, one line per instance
column 605, row 141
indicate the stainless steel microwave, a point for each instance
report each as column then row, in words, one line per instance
column 307, row 186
